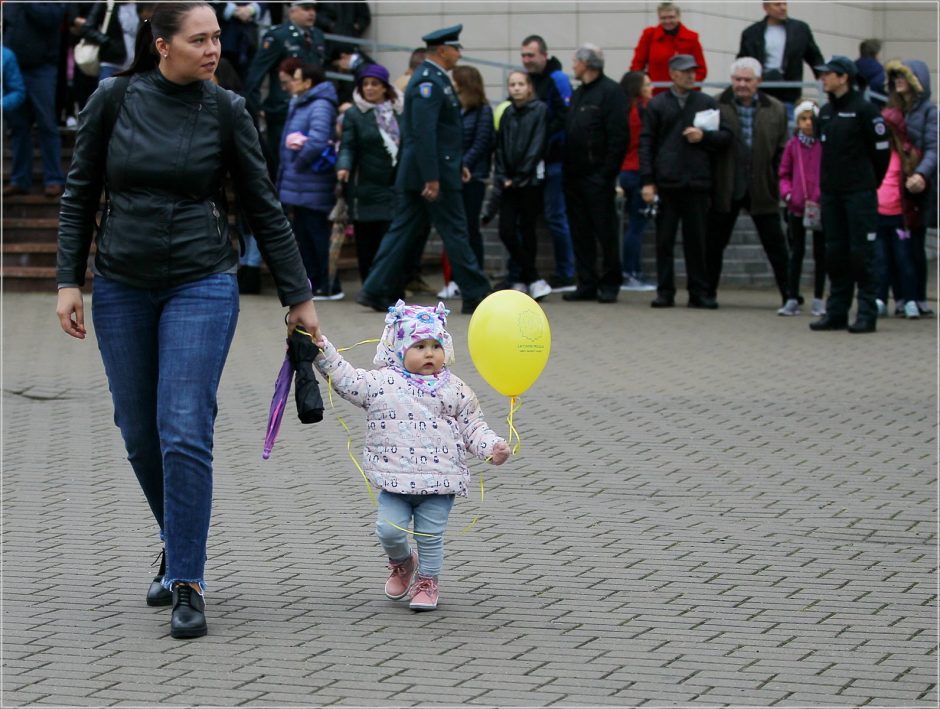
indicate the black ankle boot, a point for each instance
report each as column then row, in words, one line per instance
column 189, row 613
column 156, row 594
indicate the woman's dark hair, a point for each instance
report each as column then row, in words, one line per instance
column 472, row 93
column 166, row 22
column 632, row 85
column 289, row 65
column 312, row 72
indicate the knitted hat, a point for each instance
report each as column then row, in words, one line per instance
column 804, row 106
column 376, row 71
column 407, row 324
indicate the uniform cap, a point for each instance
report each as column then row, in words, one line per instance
column 839, row 64
column 448, row 35
column 682, row 62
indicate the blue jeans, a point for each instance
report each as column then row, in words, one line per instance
column 556, row 217
column 633, row 205
column 252, row 255
column 39, row 107
column 163, row 353
column 894, row 261
column 430, row 515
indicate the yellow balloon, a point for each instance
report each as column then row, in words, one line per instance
column 509, row 341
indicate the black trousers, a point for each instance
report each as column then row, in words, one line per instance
column 473, row 193
column 368, row 237
column 691, row 208
column 850, row 222
column 796, row 234
column 592, row 216
column 519, row 209
column 770, row 231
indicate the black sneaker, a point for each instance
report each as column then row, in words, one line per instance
column 561, row 284
column 578, row 294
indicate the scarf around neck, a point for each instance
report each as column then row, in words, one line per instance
column 385, row 119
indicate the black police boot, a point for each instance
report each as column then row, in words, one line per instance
column 661, row 301
column 862, row 325
column 827, row 322
column 156, row 594
column 189, row 613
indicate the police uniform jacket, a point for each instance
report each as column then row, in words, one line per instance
column 280, row 43
column 432, row 131
column 855, row 144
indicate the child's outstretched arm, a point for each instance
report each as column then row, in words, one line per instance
column 353, row 384
column 479, row 438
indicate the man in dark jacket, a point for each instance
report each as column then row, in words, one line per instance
column 554, row 89
column 676, row 166
column 350, row 19
column 855, row 156
column 746, row 173
column 781, row 44
column 595, row 142
column 31, row 31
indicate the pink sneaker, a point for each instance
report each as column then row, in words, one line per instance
column 424, row 594
column 401, row 577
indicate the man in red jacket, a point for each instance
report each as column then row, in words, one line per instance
column 663, row 41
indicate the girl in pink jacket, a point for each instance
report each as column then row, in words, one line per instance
column 421, row 422
column 799, row 184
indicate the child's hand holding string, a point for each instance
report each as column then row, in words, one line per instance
column 501, row 453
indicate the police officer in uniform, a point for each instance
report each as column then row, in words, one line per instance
column 855, row 156
column 295, row 38
column 429, row 183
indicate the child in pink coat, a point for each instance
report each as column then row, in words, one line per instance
column 799, row 183
column 422, row 421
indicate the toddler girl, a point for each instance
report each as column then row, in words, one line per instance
column 799, row 184
column 421, row 422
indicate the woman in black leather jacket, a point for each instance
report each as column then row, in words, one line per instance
column 165, row 299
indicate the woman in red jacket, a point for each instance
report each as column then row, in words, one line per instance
column 660, row 42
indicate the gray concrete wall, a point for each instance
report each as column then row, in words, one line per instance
column 493, row 30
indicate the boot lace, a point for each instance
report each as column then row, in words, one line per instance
column 426, row 584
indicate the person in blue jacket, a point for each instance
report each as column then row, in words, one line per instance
column 306, row 180
column 14, row 90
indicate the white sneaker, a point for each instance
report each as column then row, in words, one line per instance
column 539, row 289
column 911, row 311
column 791, row 307
column 632, row 283
column 521, row 287
column 450, row 291
column 924, row 307
column 321, row 295
column 882, row 308
column 819, row 307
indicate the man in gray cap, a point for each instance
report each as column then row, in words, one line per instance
column 429, row 182
column 855, row 156
column 676, row 167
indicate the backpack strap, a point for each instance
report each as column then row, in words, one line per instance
column 113, row 107
column 226, row 111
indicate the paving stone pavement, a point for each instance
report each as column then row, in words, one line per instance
column 709, row 508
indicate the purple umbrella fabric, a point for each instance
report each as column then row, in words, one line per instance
column 278, row 402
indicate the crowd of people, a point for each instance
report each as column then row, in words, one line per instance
column 161, row 134
column 679, row 155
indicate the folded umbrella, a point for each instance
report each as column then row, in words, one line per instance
column 297, row 366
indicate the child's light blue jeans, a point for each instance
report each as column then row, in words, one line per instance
column 430, row 514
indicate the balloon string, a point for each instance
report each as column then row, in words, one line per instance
column 514, row 405
column 368, row 484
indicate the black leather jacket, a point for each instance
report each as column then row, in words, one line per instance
column 163, row 224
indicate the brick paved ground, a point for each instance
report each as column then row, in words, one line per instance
column 709, row 508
